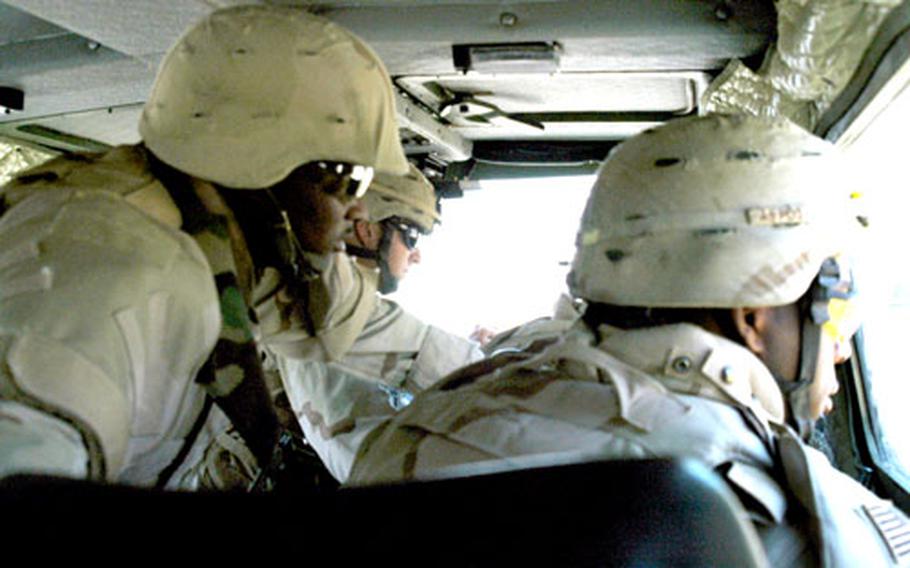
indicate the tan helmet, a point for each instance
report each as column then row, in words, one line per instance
column 714, row 211
column 410, row 197
column 252, row 92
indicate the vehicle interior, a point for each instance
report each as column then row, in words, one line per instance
column 537, row 92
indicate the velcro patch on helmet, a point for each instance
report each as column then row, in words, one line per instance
column 775, row 216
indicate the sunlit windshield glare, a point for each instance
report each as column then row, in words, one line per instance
column 883, row 273
column 501, row 255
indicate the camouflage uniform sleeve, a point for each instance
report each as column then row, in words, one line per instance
column 851, row 524
column 336, row 409
column 440, row 354
column 34, row 441
column 106, row 316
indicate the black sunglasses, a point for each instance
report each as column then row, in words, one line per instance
column 408, row 231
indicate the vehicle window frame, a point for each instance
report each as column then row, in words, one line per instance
column 864, row 414
column 871, row 90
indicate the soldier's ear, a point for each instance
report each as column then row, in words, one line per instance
column 368, row 234
column 752, row 325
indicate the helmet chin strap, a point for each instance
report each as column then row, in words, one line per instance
column 833, row 282
column 796, row 393
column 388, row 283
column 289, row 248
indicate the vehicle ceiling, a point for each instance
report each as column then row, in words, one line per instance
column 590, row 72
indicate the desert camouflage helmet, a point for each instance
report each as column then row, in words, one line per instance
column 252, row 92
column 715, row 211
column 410, row 197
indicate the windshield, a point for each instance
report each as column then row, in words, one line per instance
column 883, row 278
column 500, row 257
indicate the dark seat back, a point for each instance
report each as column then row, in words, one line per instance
column 616, row 513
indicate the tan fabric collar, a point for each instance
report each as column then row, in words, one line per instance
column 690, row 360
column 345, row 295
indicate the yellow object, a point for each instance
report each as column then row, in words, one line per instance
column 843, row 319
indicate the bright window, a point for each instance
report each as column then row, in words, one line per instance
column 500, row 257
column 878, row 150
column 15, row 158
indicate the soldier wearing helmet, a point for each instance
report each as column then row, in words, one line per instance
column 400, row 208
column 129, row 278
column 718, row 303
column 342, row 383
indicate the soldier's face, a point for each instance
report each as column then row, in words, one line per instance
column 320, row 218
column 400, row 256
column 782, row 356
column 834, row 349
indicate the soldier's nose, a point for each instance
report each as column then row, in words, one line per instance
column 843, row 350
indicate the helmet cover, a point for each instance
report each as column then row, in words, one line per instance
column 713, row 211
column 252, row 92
column 410, row 197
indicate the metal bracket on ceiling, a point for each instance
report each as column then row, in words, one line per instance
column 452, row 146
column 11, row 99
